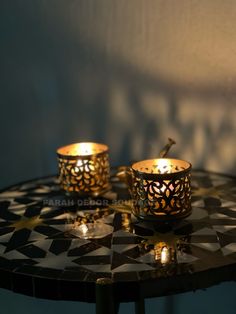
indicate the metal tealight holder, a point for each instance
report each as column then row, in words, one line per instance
column 84, row 168
column 161, row 189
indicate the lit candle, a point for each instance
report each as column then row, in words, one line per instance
column 161, row 189
column 162, row 166
column 84, row 168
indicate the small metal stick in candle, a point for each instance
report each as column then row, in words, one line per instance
column 163, row 153
column 123, row 172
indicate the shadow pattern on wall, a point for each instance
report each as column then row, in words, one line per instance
column 58, row 88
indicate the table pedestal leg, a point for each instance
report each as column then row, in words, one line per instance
column 104, row 297
column 140, row 306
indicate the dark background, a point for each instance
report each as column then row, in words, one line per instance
column 126, row 73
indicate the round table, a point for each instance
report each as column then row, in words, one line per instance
column 44, row 250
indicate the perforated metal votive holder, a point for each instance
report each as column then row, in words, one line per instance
column 84, row 168
column 161, row 189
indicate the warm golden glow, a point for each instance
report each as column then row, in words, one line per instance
column 84, row 168
column 83, row 165
column 84, row 229
column 82, row 149
column 161, row 165
column 161, row 189
column 78, row 166
column 162, row 253
column 184, row 42
column 165, row 255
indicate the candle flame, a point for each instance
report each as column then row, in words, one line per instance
column 164, row 165
column 84, row 149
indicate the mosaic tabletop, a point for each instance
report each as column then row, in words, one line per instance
column 55, row 246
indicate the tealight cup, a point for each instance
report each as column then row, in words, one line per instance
column 160, row 189
column 84, row 168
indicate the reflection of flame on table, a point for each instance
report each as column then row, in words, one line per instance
column 126, row 222
column 164, row 247
column 92, row 230
column 163, row 253
column 89, row 224
column 87, row 216
column 84, row 229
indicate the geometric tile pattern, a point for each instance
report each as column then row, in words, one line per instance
column 46, row 235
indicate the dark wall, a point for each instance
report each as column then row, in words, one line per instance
column 127, row 74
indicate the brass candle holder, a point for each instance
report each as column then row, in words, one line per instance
column 161, row 189
column 84, row 168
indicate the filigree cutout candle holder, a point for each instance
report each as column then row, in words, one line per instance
column 161, row 189
column 84, row 168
